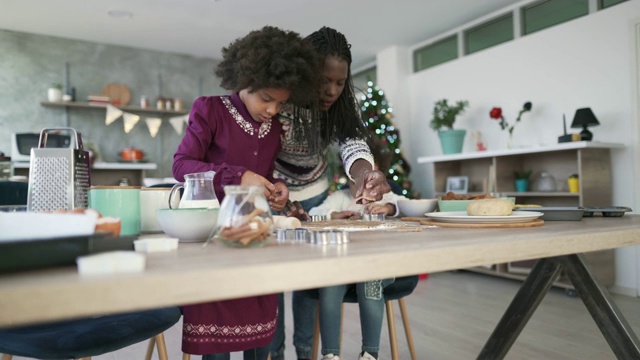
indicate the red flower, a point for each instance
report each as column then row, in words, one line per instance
column 496, row 113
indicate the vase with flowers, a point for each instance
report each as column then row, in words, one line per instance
column 496, row 114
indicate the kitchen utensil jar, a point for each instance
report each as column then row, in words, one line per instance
column 245, row 218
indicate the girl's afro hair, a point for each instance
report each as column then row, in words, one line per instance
column 272, row 58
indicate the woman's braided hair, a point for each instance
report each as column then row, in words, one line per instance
column 272, row 58
column 342, row 121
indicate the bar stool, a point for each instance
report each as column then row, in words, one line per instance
column 81, row 339
column 397, row 290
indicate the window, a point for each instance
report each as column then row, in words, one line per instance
column 436, row 53
column 360, row 80
column 547, row 13
column 603, row 4
column 489, row 34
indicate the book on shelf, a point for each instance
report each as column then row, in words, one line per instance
column 98, row 100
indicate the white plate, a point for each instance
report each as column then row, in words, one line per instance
column 462, row 217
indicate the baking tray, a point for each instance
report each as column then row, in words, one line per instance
column 35, row 254
column 607, row 211
column 557, row 213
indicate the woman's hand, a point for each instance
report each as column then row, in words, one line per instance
column 279, row 197
column 374, row 208
column 371, row 185
column 336, row 215
column 294, row 209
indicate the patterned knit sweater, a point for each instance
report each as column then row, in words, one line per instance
column 305, row 173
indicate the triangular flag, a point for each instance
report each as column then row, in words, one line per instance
column 130, row 120
column 154, row 125
column 177, row 122
column 113, row 113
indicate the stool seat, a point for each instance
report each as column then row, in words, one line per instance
column 86, row 337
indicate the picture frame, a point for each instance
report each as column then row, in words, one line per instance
column 458, row 184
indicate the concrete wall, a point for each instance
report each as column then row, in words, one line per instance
column 587, row 62
column 30, row 63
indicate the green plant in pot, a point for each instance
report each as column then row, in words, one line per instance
column 444, row 116
column 522, row 180
column 54, row 93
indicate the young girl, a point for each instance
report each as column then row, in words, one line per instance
column 238, row 137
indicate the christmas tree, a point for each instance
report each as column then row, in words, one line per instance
column 384, row 140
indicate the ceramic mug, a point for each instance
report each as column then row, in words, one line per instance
column 121, row 202
column 152, row 199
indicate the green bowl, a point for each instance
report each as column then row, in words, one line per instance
column 461, row 205
column 453, row 205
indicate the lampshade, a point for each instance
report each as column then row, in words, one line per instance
column 584, row 118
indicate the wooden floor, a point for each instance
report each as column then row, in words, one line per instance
column 453, row 314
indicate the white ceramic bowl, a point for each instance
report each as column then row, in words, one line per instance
column 188, row 225
column 416, row 207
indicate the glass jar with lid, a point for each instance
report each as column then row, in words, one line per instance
column 245, row 218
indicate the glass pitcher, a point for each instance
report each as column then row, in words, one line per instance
column 245, row 218
column 198, row 191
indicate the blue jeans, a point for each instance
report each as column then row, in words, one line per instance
column 304, row 310
column 371, row 305
column 251, row 354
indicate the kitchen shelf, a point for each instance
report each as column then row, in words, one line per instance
column 83, row 105
column 590, row 160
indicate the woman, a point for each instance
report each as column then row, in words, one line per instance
column 302, row 164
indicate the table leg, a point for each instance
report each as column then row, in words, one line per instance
column 596, row 298
column 614, row 327
column 523, row 305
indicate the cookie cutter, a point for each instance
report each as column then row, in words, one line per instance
column 297, row 235
column 315, row 218
column 328, row 237
column 374, row 217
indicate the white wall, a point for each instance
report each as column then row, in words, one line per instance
column 587, row 62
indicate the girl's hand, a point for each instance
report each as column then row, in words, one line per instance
column 249, row 178
column 371, row 186
column 345, row 215
column 279, row 197
column 294, row 209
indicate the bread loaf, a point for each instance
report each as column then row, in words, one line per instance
column 489, row 207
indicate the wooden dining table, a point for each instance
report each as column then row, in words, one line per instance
column 194, row 273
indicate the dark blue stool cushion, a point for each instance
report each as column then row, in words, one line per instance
column 400, row 288
column 87, row 337
column 13, row 192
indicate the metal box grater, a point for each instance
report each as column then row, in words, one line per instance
column 58, row 178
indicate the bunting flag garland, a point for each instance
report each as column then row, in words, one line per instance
column 113, row 113
column 178, row 123
column 154, row 125
column 130, row 121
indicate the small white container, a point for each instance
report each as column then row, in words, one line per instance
column 156, row 245
column 113, row 262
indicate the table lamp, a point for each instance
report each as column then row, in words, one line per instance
column 583, row 119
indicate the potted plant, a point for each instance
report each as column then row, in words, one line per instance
column 444, row 116
column 54, row 94
column 522, row 180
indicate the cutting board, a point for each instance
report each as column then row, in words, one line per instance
column 119, row 94
column 533, row 223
